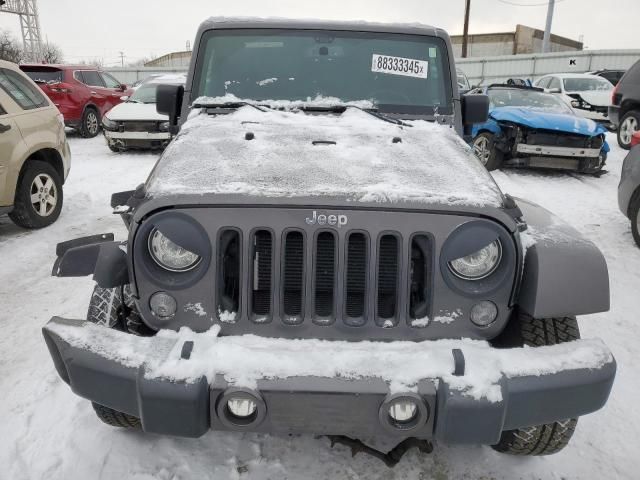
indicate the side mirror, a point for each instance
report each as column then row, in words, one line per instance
column 475, row 109
column 169, row 102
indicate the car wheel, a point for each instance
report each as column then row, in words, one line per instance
column 485, row 150
column 90, row 123
column 39, row 196
column 634, row 215
column 629, row 124
column 106, row 308
column 114, row 148
column 549, row 438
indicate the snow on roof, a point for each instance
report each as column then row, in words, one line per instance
column 244, row 360
column 288, row 157
column 179, row 78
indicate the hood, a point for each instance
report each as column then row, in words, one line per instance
column 135, row 111
column 351, row 157
column 544, row 120
column 599, row 98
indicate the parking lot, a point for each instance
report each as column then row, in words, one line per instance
column 48, row 432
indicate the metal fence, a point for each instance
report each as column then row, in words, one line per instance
column 130, row 76
column 487, row 70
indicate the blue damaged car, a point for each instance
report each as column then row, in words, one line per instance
column 528, row 127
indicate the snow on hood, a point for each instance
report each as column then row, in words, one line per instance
column 547, row 120
column 599, row 98
column 430, row 164
column 135, row 111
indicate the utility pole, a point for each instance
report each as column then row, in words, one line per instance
column 27, row 10
column 122, row 58
column 546, row 42
column 465, row 33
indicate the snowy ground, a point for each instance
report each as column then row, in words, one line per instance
column 48, row 432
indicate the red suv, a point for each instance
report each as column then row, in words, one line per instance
column 82, row 94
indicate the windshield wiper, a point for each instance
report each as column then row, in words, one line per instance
column 343, row 108
column 227, row 105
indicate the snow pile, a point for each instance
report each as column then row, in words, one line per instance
column 243, row 360
column 318, row 102
column 289, row 154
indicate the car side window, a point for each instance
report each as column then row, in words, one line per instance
column 555, row 83
column 109, row 81
column 544, row 82
column 21, row 91
column 92, row 78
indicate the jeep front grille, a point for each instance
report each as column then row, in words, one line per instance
column 323, row 278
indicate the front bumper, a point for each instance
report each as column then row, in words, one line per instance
column 89, row 358
column 587, row 160
column 137, row 135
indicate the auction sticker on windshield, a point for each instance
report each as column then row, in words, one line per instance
column 408, row 67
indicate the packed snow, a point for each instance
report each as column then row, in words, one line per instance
column 49, row 433
column 244, row 360
column 283, row 159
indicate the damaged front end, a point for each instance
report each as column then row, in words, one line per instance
column 524, row 146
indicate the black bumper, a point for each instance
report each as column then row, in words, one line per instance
column 318, row 405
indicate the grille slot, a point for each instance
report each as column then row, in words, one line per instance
column 229, row 261
column 420, row 280
column 356, row 283
column 262, row 256
column 293, row 273
column 387, row 276
column 325, row 277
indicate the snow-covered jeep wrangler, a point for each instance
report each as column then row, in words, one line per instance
column 319, row 251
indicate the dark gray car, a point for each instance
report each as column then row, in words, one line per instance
column 629, row 191
column 318, row 251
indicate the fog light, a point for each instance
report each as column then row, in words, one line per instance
column 403, row 410
column 484, row 313
column 163, row 305
column 241, row 407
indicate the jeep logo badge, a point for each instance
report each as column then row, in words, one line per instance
column 333, row 220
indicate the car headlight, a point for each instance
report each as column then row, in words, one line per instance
column 108, row 124
column 164, row 126
column 169, row 255
column 478, row 265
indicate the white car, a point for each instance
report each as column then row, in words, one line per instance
column 589, row 95
column 135, row 124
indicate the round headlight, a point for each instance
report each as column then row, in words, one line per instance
column 241, row 407
column 169, row 255
column 403, row 410
column 478, row 265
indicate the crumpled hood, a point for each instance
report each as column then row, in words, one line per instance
column 283, row 154
column 599, row 98
column 128, row 111
column 541, row 119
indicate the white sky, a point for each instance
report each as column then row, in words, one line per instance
column 90, row 29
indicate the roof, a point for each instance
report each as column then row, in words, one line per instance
column 309, row 24
column 177, row 78
column 573, row 75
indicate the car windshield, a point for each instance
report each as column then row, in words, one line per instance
column 513, row 97
column 398, row 73
column 587, row 84
column 146, row 93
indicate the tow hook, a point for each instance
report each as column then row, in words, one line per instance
column 390, row 459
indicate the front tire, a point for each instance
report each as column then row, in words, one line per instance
column 39, row 196
column 634, row 215
column 629, row 124
column 485, row 150
column 549, row 438
column 114, row 308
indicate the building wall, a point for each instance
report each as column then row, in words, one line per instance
column 523, row 40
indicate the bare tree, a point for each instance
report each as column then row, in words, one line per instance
column 10, row 48
column 93, row 62
column 52, row 53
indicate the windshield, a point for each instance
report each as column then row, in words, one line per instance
column 44, row 75
column 587, row 84
column 146, row 93
column 399, row 73
column 512, row 97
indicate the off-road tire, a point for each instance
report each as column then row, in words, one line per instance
column 495, row 157
column 634, row 216
column 87, row 128
column 631, row 114
column 24, row 213
column 114, row 418
column 106, row 309
column 549, row 438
